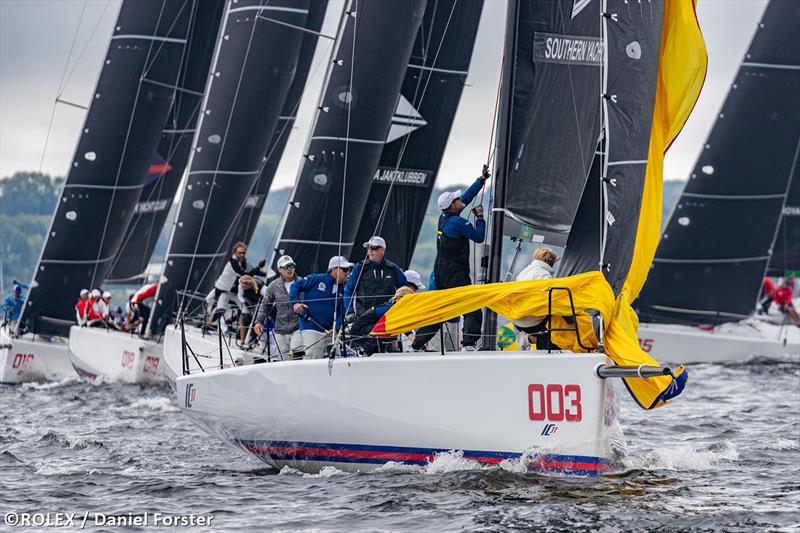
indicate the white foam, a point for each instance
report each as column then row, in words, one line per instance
column 684, row 457
column 48, row 384
column 289, row 471
column 452, row 461
column 781, row 445
column 327, row 471
column 159, row 404
column 394, row 466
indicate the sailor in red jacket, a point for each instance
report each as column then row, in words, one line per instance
column 82, row 308
column 783, row 296
column 139, row 308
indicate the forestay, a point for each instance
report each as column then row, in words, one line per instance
column 252, row 69
column 716, row 247
column 409, row 164
column 127, row 112
column 169, row 161
column 353, row 120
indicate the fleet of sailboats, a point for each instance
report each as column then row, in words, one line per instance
column 196, row 98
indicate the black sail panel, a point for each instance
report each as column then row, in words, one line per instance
column 555, row 118
column 359, row 99
column 421, row 125
column 785, row 260
column 634, row 43
column 247, row 221
column 253, row 67
column 716, row 246
column 169, row 161
column 127, row 112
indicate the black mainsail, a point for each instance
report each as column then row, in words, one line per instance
column 253, row 66
column 716, row 247
column 431, row 91
column 354, row 118
column 169, row 161
column 245, row 224
column 128, row 110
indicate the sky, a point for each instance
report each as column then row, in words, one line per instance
column 38, row 62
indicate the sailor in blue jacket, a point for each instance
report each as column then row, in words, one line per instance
column 12, row 304
column 451, row 268
column 317, row 298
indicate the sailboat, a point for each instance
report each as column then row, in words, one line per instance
column 546, row 411
column 130, row 104
column 721, row 238
column 254, row 68
column 129, row 356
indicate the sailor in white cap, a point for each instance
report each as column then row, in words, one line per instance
column 451, row 268
column 374, row 280
column 414, row 280
column 82, row 308
column 317, row 298
column 287, row 327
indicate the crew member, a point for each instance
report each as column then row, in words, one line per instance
column 248, row 297
column 227, row 285
column 140, row 304
column 414, row 280
column 451, row 268
column 317, row 298
column 362, row 326
column 783, row 297
column 540, row 267
column 276, row 296
column 373, row 280
column 12, row 304
column 82, row 308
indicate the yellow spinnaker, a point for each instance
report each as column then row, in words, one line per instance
column 682, row 69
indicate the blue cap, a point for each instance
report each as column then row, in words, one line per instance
column 18, row 288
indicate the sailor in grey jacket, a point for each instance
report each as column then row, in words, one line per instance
column 276, row 294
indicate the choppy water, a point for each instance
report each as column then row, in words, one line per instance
column 724, row 456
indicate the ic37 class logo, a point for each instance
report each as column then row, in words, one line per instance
column 549, row 429
column 191, row 394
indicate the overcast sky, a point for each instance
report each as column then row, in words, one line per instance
column 35, row 39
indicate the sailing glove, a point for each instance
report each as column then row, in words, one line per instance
column 485, row 174
column 478, row 211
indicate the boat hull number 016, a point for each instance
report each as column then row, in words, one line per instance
column 554, row 402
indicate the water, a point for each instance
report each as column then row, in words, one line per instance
column 724, row 456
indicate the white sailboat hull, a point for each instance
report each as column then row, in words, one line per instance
column 204, row 345
column 114, row 355
column 28, row 358
column 733, row 342
column 548, row 411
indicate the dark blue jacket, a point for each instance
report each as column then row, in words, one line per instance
column 319, row 292
column 455, row 226
column 356, row 276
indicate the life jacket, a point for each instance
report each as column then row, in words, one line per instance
column 376, row 284
column 451, row 268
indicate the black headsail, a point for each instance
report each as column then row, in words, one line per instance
column 548, row 123
column 359, row 98
column 716, row 247
column 169, row 162
column 785, row 260
column 429, row 98
column 127, row 112
column 253, row 66
column 246, row 223
column 604, row 231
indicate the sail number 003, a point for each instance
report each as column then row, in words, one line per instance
column 555, row 402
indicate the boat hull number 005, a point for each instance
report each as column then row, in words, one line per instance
column 554, row 402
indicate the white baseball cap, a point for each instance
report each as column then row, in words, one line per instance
column 96, row 293
column 375, row 241
column 339, row 261
column 107, row 294
column 447, row 198
column 413, row 277
column 285, row 260
column 84, row 292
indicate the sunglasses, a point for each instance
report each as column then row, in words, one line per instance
column 344, row 269
column 373, row 248
column 288, row 267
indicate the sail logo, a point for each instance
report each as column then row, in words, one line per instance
column 578, row 6
column 253, row 201
column 791, row 211
column 402, row 176
column 549, row 429
column 151, row 206
column 405, row 120
column 567, row 49
column 190, row 396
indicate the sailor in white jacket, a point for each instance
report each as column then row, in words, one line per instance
column 541, row 267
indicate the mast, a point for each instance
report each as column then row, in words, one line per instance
column 494, row 252
column 359, row 97
column 252, row 70
column 130, row 104
column 717, row 246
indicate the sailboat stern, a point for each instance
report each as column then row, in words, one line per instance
column 537, row 411
column 27, row 358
